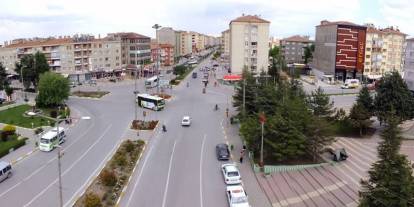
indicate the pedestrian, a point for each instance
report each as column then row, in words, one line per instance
column 241, row 159
column 137, row 133
column 242, row 152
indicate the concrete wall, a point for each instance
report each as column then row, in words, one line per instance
column 263, row 47
column 409, row 65
column 325, row 50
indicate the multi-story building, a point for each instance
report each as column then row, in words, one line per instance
column 135, row 48
column 166, row 35
column 384, row 51
column 186, row 44
column 249, row 44
column 409, row 64
column 226, row 43
column 339, row 50
column 162, row 52
column 293, row 48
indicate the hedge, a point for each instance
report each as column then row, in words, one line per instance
column 14, row 143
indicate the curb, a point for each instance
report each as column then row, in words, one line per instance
column 121, row 195
column 13, row 162
column 87, row 98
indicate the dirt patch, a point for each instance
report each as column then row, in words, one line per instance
column 144, row 125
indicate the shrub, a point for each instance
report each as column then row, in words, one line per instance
column 92, row 200
column 53, row 113
column 4, row 136
column 108, row 178
column 9, row 129
column 129, row 146
column 120, row 159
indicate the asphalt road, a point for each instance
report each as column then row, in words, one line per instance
column 180, row 167
column 89, row 143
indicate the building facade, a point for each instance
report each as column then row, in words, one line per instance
column 384, row 51
column 135, row 48
column 339, row 50
column 249, row 44
column 162, row 52
column 409, row 64
column 226, row 43
column 293, row 48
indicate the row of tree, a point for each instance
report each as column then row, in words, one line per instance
column 297, row 124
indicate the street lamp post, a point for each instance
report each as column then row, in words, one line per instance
column 156, row 27
column 262, row 120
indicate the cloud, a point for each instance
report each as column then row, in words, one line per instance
column 28, row 18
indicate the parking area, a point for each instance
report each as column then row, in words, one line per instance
column 332, row 185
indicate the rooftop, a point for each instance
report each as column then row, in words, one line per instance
column 388, row 30
column 249, row 19
column 297, row 38
column 346, row 23
column 129, row 35
column 40, row 42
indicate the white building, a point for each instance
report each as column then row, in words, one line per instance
column 409, row 64
column 249, row 44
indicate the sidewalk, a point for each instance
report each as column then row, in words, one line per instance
column 256, row 195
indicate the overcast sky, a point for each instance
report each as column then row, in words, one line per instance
column 42, row 18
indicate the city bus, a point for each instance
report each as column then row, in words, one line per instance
column 151, row 102
column 51, row 139
column 151, row 82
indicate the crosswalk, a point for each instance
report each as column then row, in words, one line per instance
column 332, row 185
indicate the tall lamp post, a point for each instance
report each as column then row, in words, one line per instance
column 156, row 27
column 262, row 120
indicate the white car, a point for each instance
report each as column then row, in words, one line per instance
column 186, row 121
column 236, row 196
column 231, row 174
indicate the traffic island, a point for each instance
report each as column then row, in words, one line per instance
column 10, row 140
column 144, row 125
column 90, row 94
column 108, row 187
column 19, row 116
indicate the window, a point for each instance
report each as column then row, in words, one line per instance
column 133, row 62
column 106, row 59
column 368, row 49
column 367, row 56
column 254, row 43
column 117, row 58
column 100, row 45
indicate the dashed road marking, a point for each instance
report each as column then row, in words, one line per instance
column 168, row 176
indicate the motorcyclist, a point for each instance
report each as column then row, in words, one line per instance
column 164, row 128
column 216, row 107
column 188, row 84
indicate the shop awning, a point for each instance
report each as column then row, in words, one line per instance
column 232, row 77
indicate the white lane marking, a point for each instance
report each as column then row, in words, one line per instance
column 47, row 163
column 67, row 170
column 168, row 176
column 201, row 171
column 142, row 170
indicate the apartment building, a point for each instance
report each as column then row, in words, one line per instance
column 384, row 51
column 135, row 48
column 339, row 50
column 186, row 45
column 162, row 52
column 409, row 64
column 293, row 48
column 166, row 35
column 249, row 44
column 226, row 43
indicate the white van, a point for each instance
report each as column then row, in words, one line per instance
column 5, row 170
column 350, row 83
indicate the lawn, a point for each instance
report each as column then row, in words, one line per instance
column 90, row 94
column 14, row 116
column 11, row 143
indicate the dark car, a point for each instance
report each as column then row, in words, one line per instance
column 194, row 75
column 222, row 152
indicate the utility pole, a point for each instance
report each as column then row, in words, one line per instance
column 59, row 163
column 262, row 120
column 135, row 94
column 156, row 27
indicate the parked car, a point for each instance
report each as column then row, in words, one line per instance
column 222, row 152
column 350, row 83
column 236, row 196
column 231, row 174
column 194, row 75
column 5, row 170
column 186, row 121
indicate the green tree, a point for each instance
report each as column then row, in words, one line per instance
column 53, row 89
column 32, row 66
column 392, row 93
column 250, row 86
column 360, row 117
column 320, row 104
column 9, row 91
column 365, row 99
column 277, row 63
column 179, row 70
column 3, row 77
column 308, row 53
column 390, row 182
column 319, row 135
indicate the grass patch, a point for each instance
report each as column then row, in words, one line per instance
column 90, row 94
column 106, row 189
column 15, row 116
column 12, row 142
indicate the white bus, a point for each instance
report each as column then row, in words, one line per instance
column 151, row 82
column 151, row 102
column 51, row 139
